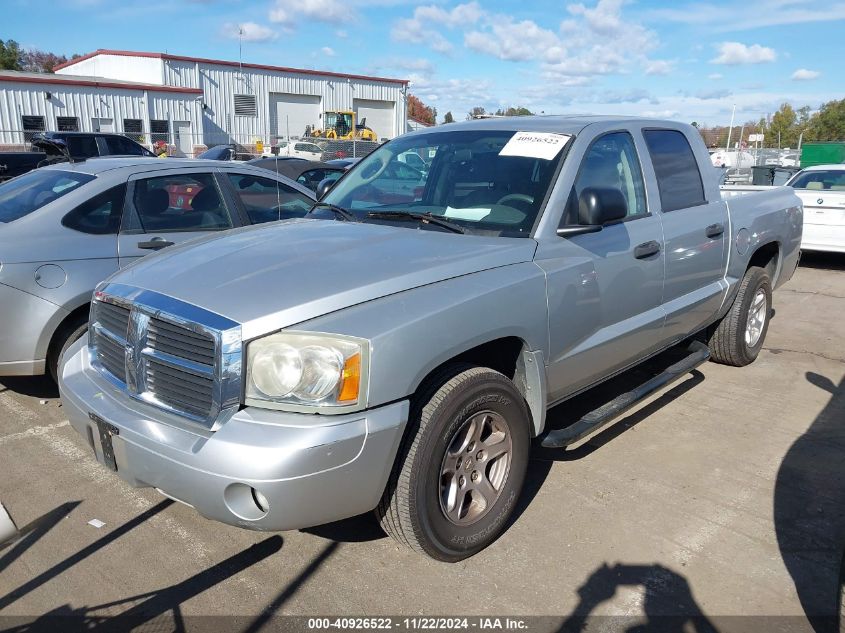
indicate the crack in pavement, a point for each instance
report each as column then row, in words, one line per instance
column 813, row 292
column 779, row 350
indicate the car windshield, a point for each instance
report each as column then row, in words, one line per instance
column 832, row 180
column 470, row 179
column 31, row 191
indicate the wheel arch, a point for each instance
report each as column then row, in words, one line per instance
column 510, row 356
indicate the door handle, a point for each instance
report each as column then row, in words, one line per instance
column 646, row 249
column 157, row 243
column 714, row 230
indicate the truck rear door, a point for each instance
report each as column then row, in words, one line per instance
column 695, row 230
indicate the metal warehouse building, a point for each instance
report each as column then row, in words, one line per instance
column 194, row 102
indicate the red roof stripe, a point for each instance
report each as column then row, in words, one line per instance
column 219, row 62
column 58, row 79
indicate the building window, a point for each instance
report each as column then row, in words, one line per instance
column 159, row 130
column 67, row 124
column 245, row 105
column 134, row 129
column 32, row 124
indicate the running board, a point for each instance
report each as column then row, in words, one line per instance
column 698, row 353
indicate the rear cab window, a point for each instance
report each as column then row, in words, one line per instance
column 31, row 191
column 678, row 177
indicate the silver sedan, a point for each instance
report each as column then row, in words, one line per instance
column 66, row 227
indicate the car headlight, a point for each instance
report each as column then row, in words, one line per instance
column 295, row 371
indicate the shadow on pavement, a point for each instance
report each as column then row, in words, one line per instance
column 668, row 604
column 809, row 511
column 32, row 532
column 33, row 386
column 825, row 261
column 162, row 606
column 70, row 561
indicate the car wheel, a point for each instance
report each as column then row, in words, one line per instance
column 738, row 337
column 461, row 466
column 67, row 335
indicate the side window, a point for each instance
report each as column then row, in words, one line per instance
column 678, row 178
column 179, row 202
column 122, row 146
column 100, row 215
column 612, row 162
column 266, row 200
column 82, row 146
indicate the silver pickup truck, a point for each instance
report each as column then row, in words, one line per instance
column 398, row 348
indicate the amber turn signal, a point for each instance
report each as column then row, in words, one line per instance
column 350, row 380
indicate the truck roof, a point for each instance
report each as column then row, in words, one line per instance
column 561, row 124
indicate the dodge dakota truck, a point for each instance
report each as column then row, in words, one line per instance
column 397, row 349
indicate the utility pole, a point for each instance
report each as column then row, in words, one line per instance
column 730, row 129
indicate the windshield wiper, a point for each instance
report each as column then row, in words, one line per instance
column 346, row 215
column 423, row 218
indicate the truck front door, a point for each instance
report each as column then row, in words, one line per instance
column 695, row 230
column 605, row 288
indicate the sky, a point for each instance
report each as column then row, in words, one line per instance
column 690, row 61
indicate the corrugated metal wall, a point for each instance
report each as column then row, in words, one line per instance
column 88, row 102
column 221, row 83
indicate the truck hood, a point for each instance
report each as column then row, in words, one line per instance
column 274, row 276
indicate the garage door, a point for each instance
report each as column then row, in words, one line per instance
column 379, row 115
column 290, row 114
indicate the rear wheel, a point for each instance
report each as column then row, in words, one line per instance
column 67, row 335
column 461, row 466
column 739, row 336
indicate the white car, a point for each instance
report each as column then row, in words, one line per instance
column 300, row 149
column 822, row 190
column 732, row 158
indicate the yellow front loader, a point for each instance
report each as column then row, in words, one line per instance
column 340, row 125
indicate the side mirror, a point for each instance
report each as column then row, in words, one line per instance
column 597, row 206
column 325, row 186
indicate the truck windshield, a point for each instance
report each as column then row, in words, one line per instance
column 469, row 178
column 31, row 191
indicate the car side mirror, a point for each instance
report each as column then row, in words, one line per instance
column 325, row 186
column 597, row 206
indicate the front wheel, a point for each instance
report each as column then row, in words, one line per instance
column 738, row 337
column 461, row 466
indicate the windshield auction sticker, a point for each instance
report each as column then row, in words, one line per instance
column 543, row 145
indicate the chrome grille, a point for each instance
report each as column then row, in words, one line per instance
column 167, row 353
column 111, row 354
column 178, row 388
column 179, row 341
column 114, row 318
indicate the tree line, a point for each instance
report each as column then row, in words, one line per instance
column 13, row 57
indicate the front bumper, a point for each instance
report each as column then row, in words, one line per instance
column 310, row 469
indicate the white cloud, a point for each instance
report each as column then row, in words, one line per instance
column 659, row 67
column 733, row 53
column 715, row 76
column 802, row 74
column 249, row 32
column 328, row 51
column 425, row 25
column 512, row 41
column 331, row 11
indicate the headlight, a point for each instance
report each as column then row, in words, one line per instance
column 292, row 370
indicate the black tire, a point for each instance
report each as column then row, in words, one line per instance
column 411, row 510
column 67, row 335
column 728, row 342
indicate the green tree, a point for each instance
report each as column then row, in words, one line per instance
column 828, row 124
column 10, row 55
column 448, row 118
column 784, row 126
column 476, row 111
column 511, row 111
